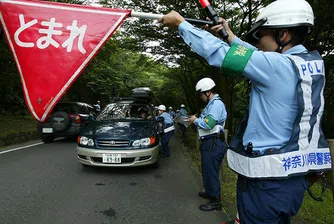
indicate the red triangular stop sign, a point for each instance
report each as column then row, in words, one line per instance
column 52, row 43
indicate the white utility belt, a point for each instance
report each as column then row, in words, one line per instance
column 202, row 133
column 171, row 128
column 280, row 165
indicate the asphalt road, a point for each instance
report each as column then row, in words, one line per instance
column 45, row 184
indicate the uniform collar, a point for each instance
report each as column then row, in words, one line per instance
column 213, row 98
column 296, row 50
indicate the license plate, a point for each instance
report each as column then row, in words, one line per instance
column 111, row 158
column 47, row 130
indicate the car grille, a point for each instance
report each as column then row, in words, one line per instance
column 112, row 143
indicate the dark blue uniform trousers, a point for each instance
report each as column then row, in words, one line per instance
column 164, row 142
column 183, row 129
column 212, row 155
column 270, row 201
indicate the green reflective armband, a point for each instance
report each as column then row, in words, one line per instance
column 236, row 60
column 210, row 121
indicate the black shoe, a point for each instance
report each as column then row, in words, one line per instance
column 203, row 194
column 213, row 204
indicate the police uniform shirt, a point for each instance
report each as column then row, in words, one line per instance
column 167, row 118
column 183, row 112
column 273, row 102
column 172, row 113
column 215, row 109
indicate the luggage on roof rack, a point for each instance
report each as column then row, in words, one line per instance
column 142, row 92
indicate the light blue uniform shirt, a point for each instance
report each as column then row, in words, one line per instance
column 172, row 114
column 167, row 118
column 216, row 109
column 183, row 112
column 273, row 102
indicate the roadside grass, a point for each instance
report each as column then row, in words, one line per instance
column 311, row 211
column 15, row 128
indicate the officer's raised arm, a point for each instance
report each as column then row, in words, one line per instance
column 219, row 53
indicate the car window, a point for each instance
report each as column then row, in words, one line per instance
column 125, row 111
column 82, row 109
column 66, row 107
column 92, row 111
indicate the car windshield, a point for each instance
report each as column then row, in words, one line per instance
column 126, row 111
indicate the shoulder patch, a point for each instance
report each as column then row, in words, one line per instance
column 236, row 60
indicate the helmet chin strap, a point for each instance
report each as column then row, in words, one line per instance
column 207, row 94
column 280, row 44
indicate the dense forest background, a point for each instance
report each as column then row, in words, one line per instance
column 144, row 53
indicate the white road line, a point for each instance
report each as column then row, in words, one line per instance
column 23, row 147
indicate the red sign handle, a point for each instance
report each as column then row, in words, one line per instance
column 204, row 3
column 213, row 16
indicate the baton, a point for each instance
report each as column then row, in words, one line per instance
column 146, row 15
column 213, row 16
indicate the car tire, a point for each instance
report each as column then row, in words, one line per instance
column 61, row 121
column 48, row 139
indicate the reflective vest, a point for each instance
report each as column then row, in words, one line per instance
column 307, row 150
column 204, row 133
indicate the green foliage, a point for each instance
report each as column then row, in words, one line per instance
column 16, row 124
column 116, row 70
column 10, row 88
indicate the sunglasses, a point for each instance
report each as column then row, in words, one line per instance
column 261, row 33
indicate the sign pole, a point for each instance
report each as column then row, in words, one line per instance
column 145, row 15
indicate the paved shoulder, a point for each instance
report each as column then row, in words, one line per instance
column 182, row 165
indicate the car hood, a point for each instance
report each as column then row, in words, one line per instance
column 120, row 130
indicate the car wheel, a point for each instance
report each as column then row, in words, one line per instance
column 48, row 139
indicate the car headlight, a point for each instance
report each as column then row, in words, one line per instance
column 86, row 141
column 144, row 141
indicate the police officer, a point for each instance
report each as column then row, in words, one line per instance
column 171, row 112
column 271, row 155
column 97, row 106
column 183, row 112
column 210, row 126
column 143, row 112
column 177, row 113
column 168, row 130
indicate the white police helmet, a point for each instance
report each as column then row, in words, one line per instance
column 162, row 107
column 205, row 84
column 283, row 14
column 171, row 108
column 182, row 105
